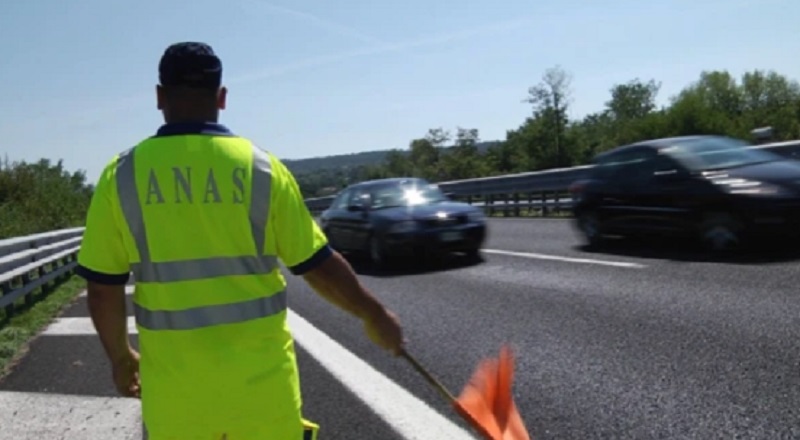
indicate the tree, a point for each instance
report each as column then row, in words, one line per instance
column 467, row 137
column 463, row 160
column 550, row 100
column 631, row 111
column 41, row 196
column 438, row 137
column 633, row 100
column 424, row 158
column 397, row 164
column 768, row 98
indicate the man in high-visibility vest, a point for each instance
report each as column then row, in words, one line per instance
column 201, row 217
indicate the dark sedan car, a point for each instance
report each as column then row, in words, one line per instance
column 714, row 188
column 402, row 217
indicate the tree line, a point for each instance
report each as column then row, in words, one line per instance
column 41, row 196
column 716, row 103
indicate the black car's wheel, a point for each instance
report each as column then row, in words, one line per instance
column 589, row 225
column 473, row 254
column 377, row 254
column 721, row 232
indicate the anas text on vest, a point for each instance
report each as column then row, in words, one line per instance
column 183, row 189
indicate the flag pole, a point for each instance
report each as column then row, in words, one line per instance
column 474, row 424
column 438, row 385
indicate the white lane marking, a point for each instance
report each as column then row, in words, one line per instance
column 409, row 416
column 128, row 291
column 565, row 259
column 80, row 327
column 47, row 416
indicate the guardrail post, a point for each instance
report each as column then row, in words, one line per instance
column 516, row 204
column 65, row 261
column 545, row 208
column 556, row 203
column 26, row 279
column 6, row 289
column 46, row 286
column 488, row 202
column 530, row 204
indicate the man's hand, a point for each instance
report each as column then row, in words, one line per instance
column 384, row 329
column 126, row 374
column 107, row 309
column 335, row 280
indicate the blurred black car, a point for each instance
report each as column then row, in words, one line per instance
column 402, row 217
column 713, row 188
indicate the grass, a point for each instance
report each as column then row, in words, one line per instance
column 17, row 332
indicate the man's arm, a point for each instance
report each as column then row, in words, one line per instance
column 107, row 309
column 303, row 247
column 103, row 261
column 335, row 281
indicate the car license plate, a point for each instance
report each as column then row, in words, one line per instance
column 451, row 236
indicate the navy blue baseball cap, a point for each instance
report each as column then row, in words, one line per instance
column 190, row 64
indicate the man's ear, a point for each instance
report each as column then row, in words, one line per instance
column 159, row 97
column 222, row 96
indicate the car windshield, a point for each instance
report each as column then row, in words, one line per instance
column 407, row 194
column 717, row 153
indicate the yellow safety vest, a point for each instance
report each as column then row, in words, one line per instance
column 197, row 208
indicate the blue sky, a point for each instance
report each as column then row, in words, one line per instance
column 312, row 77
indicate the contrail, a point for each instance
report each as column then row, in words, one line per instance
column 488, row 29
column 325, row 23
column 91, row 117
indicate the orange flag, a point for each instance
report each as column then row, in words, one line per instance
column 486, row 402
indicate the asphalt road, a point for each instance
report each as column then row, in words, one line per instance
column 640, row 341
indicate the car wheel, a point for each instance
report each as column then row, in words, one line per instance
column 473, row 254
column 589, row 225
column 721, row 232
column 376, row 252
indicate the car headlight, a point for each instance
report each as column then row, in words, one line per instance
column 753, row 188
column 476, row 216
column 404, row 226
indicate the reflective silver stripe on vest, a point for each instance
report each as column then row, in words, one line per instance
column 259, row 206
column 206, row 316
column 195, row 269
column 182, row 270
column 129, row 201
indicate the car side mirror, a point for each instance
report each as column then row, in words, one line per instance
column 356, row 208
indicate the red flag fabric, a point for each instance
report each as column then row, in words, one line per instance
column 487, row 403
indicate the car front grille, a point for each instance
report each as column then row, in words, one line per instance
column 447, row 221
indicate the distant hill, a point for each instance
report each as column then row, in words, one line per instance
column 299, row 166
column 352, row 160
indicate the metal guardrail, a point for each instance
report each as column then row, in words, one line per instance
column 541, row 192
column 31, row 262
